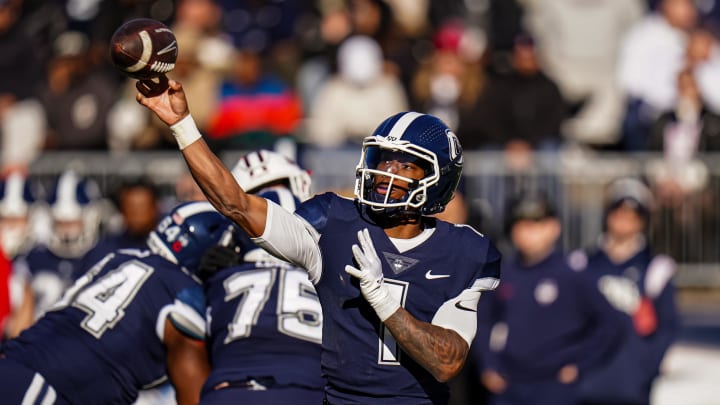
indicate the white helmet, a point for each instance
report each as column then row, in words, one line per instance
column 17, row 214
column 263, row 167
column 74, row 200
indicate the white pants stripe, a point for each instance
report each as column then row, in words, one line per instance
column 33, row 392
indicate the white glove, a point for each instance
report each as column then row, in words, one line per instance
column 371, row 278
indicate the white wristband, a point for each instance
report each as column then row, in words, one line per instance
column 185, row 132
column 383, row 304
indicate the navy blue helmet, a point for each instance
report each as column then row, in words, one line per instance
column 427, row 142
column 183, row 235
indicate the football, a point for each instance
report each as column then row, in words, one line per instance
column 144, row 49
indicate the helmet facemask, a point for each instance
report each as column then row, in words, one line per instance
column 375, row 150
column 423, row 140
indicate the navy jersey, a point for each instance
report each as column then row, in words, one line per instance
column 103, row 341
column 264, row 322
column 51, row 274
column 113, row 242
column 360, row 357
column 628, row 375
column 543, row 317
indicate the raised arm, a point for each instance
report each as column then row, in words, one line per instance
column 213, row 177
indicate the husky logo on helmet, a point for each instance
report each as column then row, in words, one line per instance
column 184, row 235
column 455, row 149
column 424, row 140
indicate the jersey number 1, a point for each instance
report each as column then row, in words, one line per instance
column 389, row 351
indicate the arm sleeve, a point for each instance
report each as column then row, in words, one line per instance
column 186, row 314
column 659, row 287
column 292, row 239
column 610, row 326
column 460, row 312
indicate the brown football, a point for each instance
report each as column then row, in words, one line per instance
column 144, row 48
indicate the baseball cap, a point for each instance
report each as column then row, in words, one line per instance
column 629, row 191
column 528, row 205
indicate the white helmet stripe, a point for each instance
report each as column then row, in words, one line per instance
column 195, row 208
column 402, row 124
column 13, row 204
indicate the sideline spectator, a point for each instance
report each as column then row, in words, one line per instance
column 546, row 326
column 651, row 55
column 450, row 83
column 519, row 106
column 680, row 179
column 22, row 119
column 256, row 106
column 78, row 97
column 639, row 285
column 579, row 43
column 349, row 103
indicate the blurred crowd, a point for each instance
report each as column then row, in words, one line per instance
column 509, row 76
column 514, row 74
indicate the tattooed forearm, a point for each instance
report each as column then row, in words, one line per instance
column 440, row 351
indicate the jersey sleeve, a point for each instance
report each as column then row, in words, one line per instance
column 186, row 313
column 294, row 237
column 460, row 312
column 315, row 211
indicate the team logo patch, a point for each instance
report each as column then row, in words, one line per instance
column 399, row 264
column 546, row 292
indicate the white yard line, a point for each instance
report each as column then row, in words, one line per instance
column 691, row 376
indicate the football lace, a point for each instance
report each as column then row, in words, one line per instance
column 162, row 67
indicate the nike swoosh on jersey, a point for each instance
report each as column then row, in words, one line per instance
column 430, row 276
column 168, row 48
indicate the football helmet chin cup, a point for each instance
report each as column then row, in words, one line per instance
column 423, row 139
column 188, row 231
column 263, row 167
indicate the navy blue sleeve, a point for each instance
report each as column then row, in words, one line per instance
column 189, row 320
column 609, row 327
column 668, row 326
column 315, row 210
column 489, row 314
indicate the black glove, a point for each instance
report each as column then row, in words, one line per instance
column 217, row 258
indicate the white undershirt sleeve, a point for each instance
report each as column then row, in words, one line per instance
column 460, row 313
column 292, row 239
